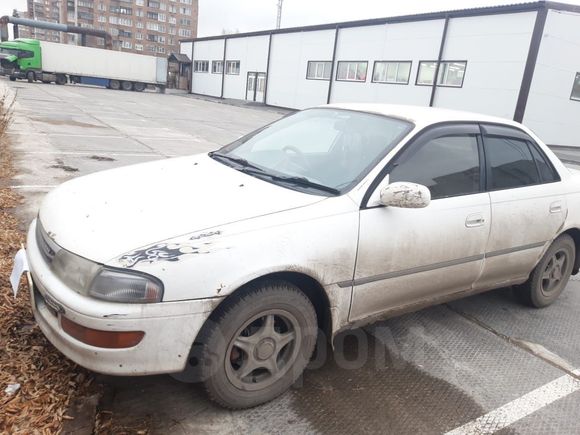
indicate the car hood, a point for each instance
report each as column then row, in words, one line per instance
column 106, row 214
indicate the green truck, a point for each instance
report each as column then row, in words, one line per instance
column 50, row 62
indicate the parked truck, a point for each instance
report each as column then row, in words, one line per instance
column 50, row 62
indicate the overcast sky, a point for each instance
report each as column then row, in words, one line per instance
column 249, row 15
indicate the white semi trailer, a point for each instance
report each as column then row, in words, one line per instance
column 61, row 63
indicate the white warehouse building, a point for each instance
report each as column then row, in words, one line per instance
column 518, row 61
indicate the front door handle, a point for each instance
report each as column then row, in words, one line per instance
column 474, row 220
column 556, row 207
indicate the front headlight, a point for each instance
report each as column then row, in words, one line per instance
column 92, row 279
column 119, row 285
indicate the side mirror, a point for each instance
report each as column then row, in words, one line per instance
column 405, row 195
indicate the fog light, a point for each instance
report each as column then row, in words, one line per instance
column 105, row 339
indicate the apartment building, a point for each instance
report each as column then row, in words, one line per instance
column 151, row 27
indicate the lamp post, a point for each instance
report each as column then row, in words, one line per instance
column 279, row 18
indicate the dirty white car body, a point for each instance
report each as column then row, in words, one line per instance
column 205, row 230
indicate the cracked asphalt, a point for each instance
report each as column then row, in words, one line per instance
column 478, row 359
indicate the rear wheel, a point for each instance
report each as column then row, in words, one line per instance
column 30, row 76
column 115, row 84
column 139, row 87
column 61, row 79
column 127, row 86
column 12, row 78
column 551, row 275
column 259, row 345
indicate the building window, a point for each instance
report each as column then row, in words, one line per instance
column 140, row 3
column 392, row 72
column 162, row 17
column 139, row 36
column 153, row 4
column 576, row 88
column 352, row 71
column 184, row 22
column 233, row 67
column 139, row 47
column 318, row 70
column 217, row 67
column 201, row 66
column 185, row 33
column 451, row 73
column 127, row 44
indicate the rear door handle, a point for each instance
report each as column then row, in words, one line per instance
column 474, row 220
column 556, row 207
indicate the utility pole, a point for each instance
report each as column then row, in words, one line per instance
column 279, row 19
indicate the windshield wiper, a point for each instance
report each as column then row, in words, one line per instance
column 300, row 181
column 239, row 160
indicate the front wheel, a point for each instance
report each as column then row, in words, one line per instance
column 30, row 76
column 259, row 345
column 551, row 275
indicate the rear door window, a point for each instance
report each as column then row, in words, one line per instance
column 547, row 173
column 510, row 163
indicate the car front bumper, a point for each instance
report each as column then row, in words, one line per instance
column 170, row 327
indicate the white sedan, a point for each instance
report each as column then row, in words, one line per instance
column 228, row 264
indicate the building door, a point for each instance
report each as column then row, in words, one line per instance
column 251, row 87
column 260, row 87
column 256, row 86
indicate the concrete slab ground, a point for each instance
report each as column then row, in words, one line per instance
column 464, row 363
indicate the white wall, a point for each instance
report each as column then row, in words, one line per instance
column 550, row 112
column 252, row 52
column 207, row 83
column 496, row 49
column 405, row 41
column 287, row 83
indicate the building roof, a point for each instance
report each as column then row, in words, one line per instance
column 420, row 115
column 456, row 13
column 179, row 57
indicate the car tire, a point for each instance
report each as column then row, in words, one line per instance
column 115, row 85
column 12, row 78
column 30, row 76
column 61, row 79
column 275, row 325
column 139, row 87
column 127, row 86
column 550, row 276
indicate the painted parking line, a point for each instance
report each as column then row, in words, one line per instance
column 91, row 153
column 30, row 186
column 521, row 407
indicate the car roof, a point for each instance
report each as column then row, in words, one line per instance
column 421, row 115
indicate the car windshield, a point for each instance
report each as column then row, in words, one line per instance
column 317, row 150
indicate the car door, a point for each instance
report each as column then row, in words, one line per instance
column 527, row 204
column 406, row 256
